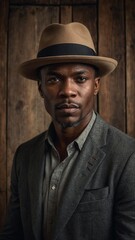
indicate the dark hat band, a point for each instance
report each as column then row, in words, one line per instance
column 66, row 49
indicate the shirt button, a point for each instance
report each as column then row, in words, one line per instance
column 53, row 187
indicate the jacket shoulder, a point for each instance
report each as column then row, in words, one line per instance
column 33, row 143
column 115, row 136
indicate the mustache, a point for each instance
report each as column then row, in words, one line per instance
column 63, row 105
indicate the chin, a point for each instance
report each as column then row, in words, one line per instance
column 69, row 124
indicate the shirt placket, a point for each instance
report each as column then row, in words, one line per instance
column 53, row 195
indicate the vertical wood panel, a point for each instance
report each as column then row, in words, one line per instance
column 65, row 14
column 27, row 116
column 130, row 60
column 112, row 44
column 3, row 80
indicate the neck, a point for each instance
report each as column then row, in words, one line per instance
column 64, row 136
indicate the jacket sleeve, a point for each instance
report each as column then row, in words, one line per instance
column 125, row 203
column 13, row 226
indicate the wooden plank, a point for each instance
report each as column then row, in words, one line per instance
column 27, row 116
column 65, row 14
column 87, row 15
column 130, row 61
column 3, row 85
column 111, row 44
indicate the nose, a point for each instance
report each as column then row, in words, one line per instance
column 68, row 89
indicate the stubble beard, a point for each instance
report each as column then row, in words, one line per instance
column 69, row 124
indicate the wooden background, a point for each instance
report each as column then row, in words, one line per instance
column 22, row 114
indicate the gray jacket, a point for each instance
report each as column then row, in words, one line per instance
column 99, row 199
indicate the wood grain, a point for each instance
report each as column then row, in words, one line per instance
column 3, row 108
column 65, row 14
column 130, row 66
column 112, row 44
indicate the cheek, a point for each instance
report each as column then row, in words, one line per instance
column 47, row 94
column 87, row 102
column 49, row 101
column 88, row 97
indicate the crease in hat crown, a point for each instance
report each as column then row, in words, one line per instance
column 66, row 33
column 65, row 43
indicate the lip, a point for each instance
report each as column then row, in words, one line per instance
column 67, row 106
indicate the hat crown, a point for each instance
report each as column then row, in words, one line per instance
column 72, row 33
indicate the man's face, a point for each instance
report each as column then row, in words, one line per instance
column 68, row 91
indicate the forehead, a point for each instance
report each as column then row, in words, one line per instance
column 66, row 67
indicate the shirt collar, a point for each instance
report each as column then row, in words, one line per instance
column 82, row 138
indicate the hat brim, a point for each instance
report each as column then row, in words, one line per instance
column 30, row 68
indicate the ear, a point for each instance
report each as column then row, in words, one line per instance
column 96, row 86
column 40, row 89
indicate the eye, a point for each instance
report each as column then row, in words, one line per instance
column 81, row 79
column 52, row 79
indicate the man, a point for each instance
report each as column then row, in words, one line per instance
column 76, row 181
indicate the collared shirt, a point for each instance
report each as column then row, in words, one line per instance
column 56, row 174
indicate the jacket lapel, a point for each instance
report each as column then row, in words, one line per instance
column 88, row 161
column 36, row 174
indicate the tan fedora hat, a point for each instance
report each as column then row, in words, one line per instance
column 64, row 43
